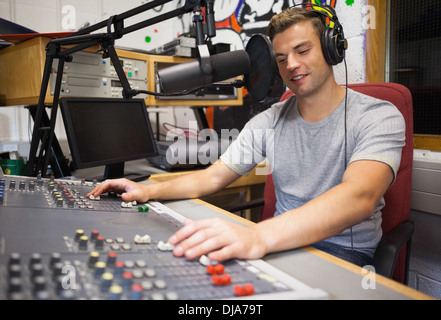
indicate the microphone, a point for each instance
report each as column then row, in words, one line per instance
column 257, row 64
column 203, row 72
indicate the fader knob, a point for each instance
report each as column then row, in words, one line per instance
column 99, row 243
column 119, row 269
column 15, row 271
column 93, row 258
column 99, row 269
column 57, row 270
column 111, row 259
column 136, row 293
column 36, row 270
column 115, row 292
column 39, row 284
column 35, row 259
column 93, row 235
column 70, row 203
column 15, row 285
column 55, row 258
column 59, row 201
column 78, row 234
column 14, row 258
column 83, row 243
column 106, row 281
column 126, row 282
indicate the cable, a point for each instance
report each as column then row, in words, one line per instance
column 186, row 131
column 346, row 143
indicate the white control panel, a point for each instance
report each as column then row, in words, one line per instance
column 89, row 75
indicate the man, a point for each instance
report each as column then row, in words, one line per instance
column 331, row 161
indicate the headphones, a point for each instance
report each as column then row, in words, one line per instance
column 332, row 40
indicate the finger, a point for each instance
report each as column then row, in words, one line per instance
column 204, row 247
column 208, row 236
column 189, row 228
column 106, row 186
column 195, row 239
column 224, row 253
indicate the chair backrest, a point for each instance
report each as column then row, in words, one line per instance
column 398, row 196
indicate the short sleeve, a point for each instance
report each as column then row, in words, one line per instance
column 380, row 135
column 249, row 149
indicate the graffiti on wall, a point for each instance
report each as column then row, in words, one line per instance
column 238, row 20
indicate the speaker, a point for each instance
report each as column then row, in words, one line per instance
column 332, row 40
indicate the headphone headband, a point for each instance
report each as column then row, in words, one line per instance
column 328, row 12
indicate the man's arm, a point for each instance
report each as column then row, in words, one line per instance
column 345, row 205
column 195, row 185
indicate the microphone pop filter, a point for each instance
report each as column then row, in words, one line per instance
column 260, row 80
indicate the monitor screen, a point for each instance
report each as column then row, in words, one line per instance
column 107, row 132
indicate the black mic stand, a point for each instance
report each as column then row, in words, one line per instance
column 37, row 165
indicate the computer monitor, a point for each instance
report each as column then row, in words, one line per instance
column 107, row 132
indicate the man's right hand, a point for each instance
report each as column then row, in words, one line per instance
column 129, row 190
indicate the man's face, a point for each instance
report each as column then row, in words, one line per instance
column 299, row 57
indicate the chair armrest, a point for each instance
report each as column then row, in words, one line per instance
column 390, row 246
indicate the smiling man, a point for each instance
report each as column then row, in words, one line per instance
column 333, row 155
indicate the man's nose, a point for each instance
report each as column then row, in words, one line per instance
column 292, row 63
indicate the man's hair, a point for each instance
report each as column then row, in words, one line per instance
column 289, row 17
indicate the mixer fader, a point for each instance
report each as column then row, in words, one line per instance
column 55, row 243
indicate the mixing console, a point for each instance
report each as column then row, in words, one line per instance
column 55, row 243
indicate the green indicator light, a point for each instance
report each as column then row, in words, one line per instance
column 148, row 39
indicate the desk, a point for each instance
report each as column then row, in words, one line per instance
column 243, row 184
column 340, row 279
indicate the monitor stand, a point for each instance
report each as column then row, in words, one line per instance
column 131, row 171
column 116, row 171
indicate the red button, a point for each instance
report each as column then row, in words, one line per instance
column 217, row 269
column 246, row 290
column 221, row 280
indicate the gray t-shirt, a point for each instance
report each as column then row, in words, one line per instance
column 307, row 159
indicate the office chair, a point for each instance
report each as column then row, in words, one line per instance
column 391, row 258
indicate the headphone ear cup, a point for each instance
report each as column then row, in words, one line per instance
column 329, row 40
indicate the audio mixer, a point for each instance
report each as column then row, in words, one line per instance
column 55, row 243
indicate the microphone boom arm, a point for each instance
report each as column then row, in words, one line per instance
column 84, row 39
